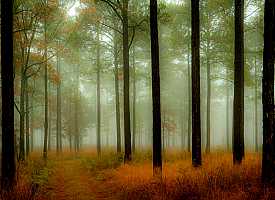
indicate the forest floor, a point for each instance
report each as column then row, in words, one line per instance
column 87, row 177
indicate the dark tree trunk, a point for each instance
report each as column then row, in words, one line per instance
column 118, row 129
column 268, row 161
column 22, row 116
column 189, row 101
column 8, row 139
column 98, row 124
column 157, row 158
column 208, row 102
column 196, row 118
column 238, row 113
column 45, row 150
column 50, row 122
column 227, row 112
column 76, row 116
column 32, row 125
column 134, row 101
column 256, row 107
column 58, row 111
column 127, row 128
column 208, row 108
column 27, row 121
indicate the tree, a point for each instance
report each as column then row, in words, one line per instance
column 45, row 149
column 157, row 159
column 58, row 107
column 8, row 147
column 238, row 110
column 268, row 166
column 134, row 99
column 127, row 128
column 116, row 71
column 196, row 120
column 98, row 125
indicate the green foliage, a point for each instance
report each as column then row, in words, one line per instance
column 41, row 171
column 103, row 162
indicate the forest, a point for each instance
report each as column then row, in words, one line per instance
column 137, row 100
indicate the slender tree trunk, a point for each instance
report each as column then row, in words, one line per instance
column 157, row 157
column 76, row 139
column 256, row 107
column 27, row 121
column 163, row 130
column 8, row 139
column 227, row 112
column 182, row 128
column 118, row 129
column 134, row 101
column 50, row 121
column 189, row 100
column 45, row 150
column 238, row 115
column 32, row 125
column 98, row 126
column 208, row 106
column 268, row 161
column 22, row 116
column 196, row 117
column 58, row 111
column 127, row 128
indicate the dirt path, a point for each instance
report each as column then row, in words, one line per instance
column 71, row 181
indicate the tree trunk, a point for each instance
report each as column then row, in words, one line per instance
column 76, row 139
column 208, row 103
column 8, row 139
column 32, row 125
column 157, row 158
column 127, row 128
column 50, row 122
column 118, row 129
column 189, row 100
column 22, row 116
column 196, row 118
column 58, row 109
column 227, row 112
column 238, row 115
column 98, row 124
column 45, row 150
column 256, row 107
column 134, row 101
column 27, row 120
column 268, row 161
column 208, row 106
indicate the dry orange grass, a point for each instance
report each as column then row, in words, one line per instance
column 216, row 179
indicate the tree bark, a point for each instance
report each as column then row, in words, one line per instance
column 256, row 107
column 127, row 127
column 157, row 157
column 45, row 150
column 196, row 118
column 8, row 139
column 268, row 166
column 189, row 99
column 50, row 121
column 58, row 111
column 208, row 103
column 134, row 100
column 238, row 115
column 227, row 113
column 27, row 121
column 98, row 125
column 118, row 129
column 22, row 116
